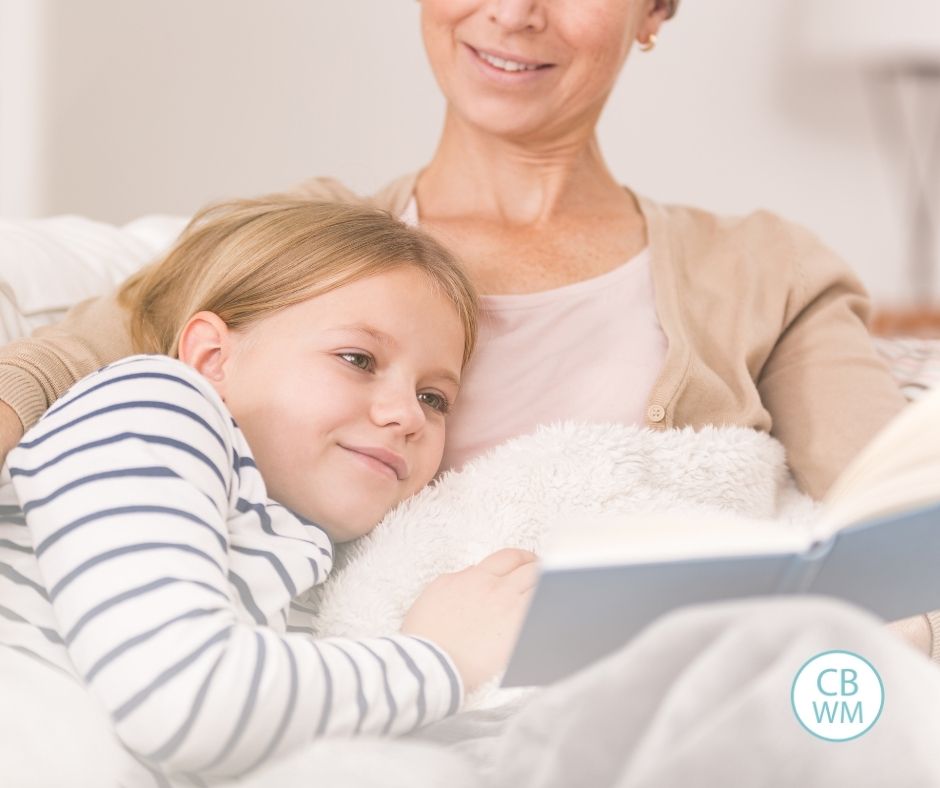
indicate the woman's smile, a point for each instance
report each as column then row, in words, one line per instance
column 506, row 69
column 536, row 71
column 508, row 62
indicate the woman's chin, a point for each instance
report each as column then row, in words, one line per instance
column 508, row 120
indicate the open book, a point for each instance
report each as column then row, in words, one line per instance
column 876, row 543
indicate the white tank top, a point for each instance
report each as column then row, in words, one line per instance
column 588, row 351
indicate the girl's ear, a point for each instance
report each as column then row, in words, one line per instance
column 206, row 344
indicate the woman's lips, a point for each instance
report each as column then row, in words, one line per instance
column 508, row 62
column 507, row 66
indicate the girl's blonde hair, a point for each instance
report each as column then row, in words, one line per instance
column 246, row 259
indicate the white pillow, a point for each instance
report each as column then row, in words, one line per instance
column 49, row 265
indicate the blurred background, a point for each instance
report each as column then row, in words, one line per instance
column 825, row 111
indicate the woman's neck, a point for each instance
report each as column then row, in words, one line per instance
column 474, row 174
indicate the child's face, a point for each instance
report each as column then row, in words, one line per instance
column 342, row 397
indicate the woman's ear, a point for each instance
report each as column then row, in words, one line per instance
column 658, row 13
column 206, row 344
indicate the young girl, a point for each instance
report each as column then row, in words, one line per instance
column 178, row 510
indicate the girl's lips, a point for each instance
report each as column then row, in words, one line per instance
column 382, row 460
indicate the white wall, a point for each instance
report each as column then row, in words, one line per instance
column 159, row 106
column 21, row 96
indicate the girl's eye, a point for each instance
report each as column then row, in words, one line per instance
column 434, row 401
column 360, row 360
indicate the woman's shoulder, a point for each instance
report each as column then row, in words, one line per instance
column 329, row 189
column 694, row 224
column 760, row 245
column 392, row 197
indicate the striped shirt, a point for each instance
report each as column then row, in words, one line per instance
column 149, row 562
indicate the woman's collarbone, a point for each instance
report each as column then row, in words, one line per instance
column 530, row 270
column 504, row 259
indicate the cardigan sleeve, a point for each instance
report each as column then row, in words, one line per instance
column 824, row 385
column 35, row 372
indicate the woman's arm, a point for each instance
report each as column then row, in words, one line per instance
column 824, row 385
column 128, row 486
column 35, row 372
column 828, row 391
column 11, row 430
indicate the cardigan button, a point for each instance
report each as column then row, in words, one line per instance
column 656, row 413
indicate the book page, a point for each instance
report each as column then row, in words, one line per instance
column 897, row 471
column 610, row 539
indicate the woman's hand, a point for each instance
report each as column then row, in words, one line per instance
column 475, row 614
column 11, row 430
column 915, row 630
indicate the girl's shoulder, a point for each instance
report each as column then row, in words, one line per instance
column 144, row 373
column 126, row 390
column 153, row 402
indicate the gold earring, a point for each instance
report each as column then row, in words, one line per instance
column 649, row 43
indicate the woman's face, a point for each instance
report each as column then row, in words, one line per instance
column 532, row 68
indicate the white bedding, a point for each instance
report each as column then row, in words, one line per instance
column 51, row 735
column 506, row 498
column 49, row 265
column 698, row 698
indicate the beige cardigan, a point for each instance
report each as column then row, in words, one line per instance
column 766, row 329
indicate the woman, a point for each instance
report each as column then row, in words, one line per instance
column 589, row 290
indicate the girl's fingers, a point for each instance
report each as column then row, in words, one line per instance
column 524, row 577
column 502, row 562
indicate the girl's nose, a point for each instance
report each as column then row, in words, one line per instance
column 397, row 404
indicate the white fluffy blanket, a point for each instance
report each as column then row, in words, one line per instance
column 511, row 496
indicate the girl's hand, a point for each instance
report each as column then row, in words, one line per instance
column 475, row 614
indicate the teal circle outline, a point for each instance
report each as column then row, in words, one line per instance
column 822, row 654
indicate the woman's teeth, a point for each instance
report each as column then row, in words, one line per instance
column 505, row 65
